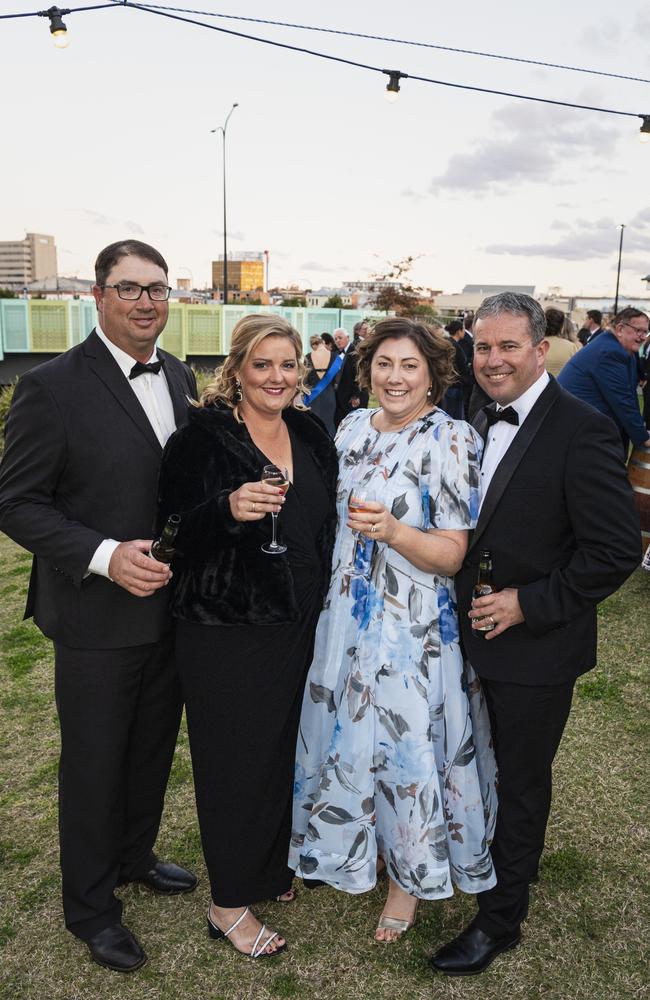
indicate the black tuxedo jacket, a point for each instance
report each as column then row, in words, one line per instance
column 81, row 464
column 560, row 522
column 347, row 387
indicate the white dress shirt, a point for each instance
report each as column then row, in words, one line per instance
column 501, row 435
column 152, row 392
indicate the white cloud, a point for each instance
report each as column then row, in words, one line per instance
column 588, row 239
column 529, row 144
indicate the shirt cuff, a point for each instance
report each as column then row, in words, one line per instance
column 100, row 561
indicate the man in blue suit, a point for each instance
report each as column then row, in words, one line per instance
column 605, row 374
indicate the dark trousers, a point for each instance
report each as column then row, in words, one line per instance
column 527, row 726
column 119, row 711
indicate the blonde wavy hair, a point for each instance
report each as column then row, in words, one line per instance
column 250, row 331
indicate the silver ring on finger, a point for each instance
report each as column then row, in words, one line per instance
column 492, row 621
column 373, row 529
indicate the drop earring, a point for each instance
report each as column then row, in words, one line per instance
column 238, row 392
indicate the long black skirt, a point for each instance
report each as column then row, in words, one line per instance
column 243, row 688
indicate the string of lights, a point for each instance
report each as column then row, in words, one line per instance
column 59, row 31
column 393, row 40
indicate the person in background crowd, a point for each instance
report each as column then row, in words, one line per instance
column 560, row 348
column 605, row 374
column 393, row 760
column 455, row 401
column 245, row 617
column 85, row 436
column 322, row 369
column 329, row 342
column 360, row 332
column 558, row 519
column 348, row 394
column 593, row 323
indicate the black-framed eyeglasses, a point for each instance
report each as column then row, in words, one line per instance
column 130, row 291
column 639, row 332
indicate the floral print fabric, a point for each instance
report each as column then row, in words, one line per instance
column 394, row 754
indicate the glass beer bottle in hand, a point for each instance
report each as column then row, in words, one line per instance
column 163, row 549
column 484, row 585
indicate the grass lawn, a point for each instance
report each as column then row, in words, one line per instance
column 588, row 927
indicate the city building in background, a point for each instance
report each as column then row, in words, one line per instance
column 25, row 261
column 245, row 276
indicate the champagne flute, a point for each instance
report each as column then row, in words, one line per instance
column 276, row 476
column 360, row 562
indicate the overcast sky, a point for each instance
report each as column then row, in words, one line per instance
column 111, row 137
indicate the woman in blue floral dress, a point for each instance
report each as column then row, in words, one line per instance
column 394, row 764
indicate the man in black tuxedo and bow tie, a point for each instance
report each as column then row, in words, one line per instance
column 78, row 483
column 558, row 518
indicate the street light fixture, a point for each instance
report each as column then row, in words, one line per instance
column 222, row 129
column 618, row 271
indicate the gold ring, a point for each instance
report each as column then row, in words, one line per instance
column 254, row 507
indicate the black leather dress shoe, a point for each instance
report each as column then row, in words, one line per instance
column 116, row 948
column 168, row 879
column 471, row 952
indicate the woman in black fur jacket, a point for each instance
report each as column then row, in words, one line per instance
column 246, row 619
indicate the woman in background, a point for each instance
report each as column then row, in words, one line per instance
column 560, row 348
column 322, row 369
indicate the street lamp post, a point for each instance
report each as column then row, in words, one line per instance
column 222, row 129
column 618, row 270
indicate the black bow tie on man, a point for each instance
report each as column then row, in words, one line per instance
column 139, row 369
column 493, row 415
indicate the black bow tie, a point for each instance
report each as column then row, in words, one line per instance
column 139, row 369
column 493, row 415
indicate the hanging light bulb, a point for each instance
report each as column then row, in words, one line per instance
column 644, row 132
column 58, row 29
column 392, row 87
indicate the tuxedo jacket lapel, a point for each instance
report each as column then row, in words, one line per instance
column 177, row 388
column 106, row 369
column 508, row 464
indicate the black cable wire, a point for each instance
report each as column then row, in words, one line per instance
column 378, row 69
column 71, row 10
column 161, row 12
column 396, row 41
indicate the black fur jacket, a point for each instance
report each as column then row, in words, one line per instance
column 221, row 577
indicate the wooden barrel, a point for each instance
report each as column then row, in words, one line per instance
column 639, row 472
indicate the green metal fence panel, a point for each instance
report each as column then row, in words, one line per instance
column 15, row 325
column 49, row 323
column 88, row 312
column 321, row 321
column 52, row 326
column 172, row 338
column 203, row 329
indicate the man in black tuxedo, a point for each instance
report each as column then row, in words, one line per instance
column 348, row 394
column 559, row 521
column 593, row 323
column 78, row 483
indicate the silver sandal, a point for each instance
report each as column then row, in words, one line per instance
column 258, row 950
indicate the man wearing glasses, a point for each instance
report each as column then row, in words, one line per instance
column 605, row 374
column 78, row 481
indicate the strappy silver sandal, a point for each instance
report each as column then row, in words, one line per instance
column 395, row 924
column 259, row 949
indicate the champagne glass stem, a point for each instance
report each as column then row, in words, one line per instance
column 274, row 518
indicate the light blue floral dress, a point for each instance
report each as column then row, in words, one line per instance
column 394, row 754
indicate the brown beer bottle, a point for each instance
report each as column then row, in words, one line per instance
column 163, row 548
column 484, row 585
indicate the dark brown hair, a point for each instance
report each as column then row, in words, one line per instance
column 554, row 321
column 436, row 349
column 113, row 254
